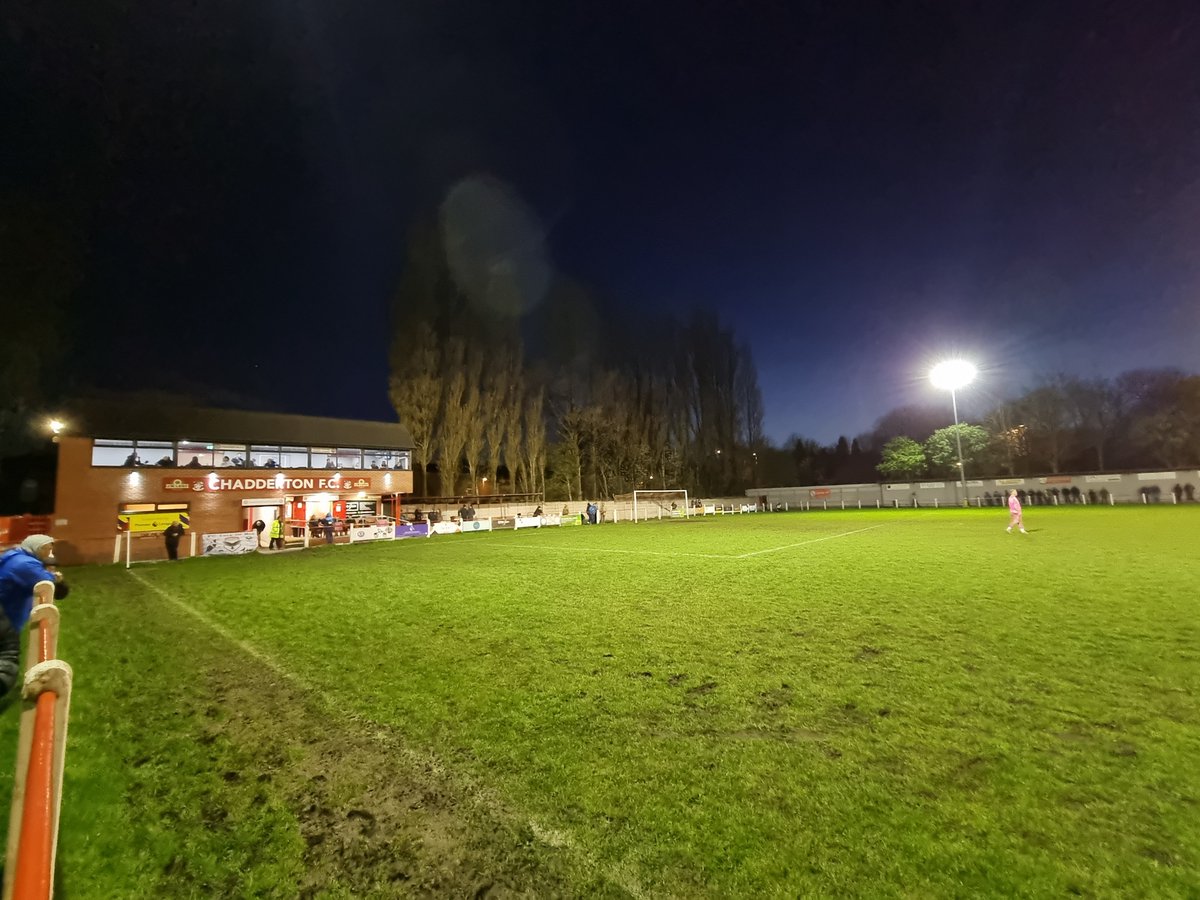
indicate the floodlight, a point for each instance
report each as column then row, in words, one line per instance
column 952, row 374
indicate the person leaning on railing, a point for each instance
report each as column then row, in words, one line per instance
column 20, row 569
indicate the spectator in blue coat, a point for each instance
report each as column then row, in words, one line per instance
column 20, row 569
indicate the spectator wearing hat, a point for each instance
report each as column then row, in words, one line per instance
column 20, row 569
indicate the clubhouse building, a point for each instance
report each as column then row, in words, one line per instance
column 136, row 468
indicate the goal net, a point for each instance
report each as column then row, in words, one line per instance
column 660, row 505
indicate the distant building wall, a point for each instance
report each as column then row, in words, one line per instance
column 1124, row 487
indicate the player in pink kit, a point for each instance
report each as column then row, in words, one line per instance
column 1014, row 512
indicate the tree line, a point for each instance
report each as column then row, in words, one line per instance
column 565, row 397
column 1144, row 418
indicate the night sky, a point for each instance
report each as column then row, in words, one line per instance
column 859, row 189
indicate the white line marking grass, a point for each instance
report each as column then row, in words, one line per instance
column 613, row 550
column 752, row 553
column 828, row 537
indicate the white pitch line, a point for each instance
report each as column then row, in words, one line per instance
column 246, row 648
column 829, row 537
column 559, row 549
column 615, row 550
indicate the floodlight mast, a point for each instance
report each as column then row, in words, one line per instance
column 950, row 376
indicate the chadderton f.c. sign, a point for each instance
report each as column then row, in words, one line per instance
column 275, row 482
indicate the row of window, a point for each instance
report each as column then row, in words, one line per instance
column 204, row 455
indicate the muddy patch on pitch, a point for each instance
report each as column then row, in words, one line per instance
column 375, row 817
column 774, row 699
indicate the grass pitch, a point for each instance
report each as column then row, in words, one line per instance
column 895, row 703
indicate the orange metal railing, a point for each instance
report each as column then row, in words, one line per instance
column 41, row 753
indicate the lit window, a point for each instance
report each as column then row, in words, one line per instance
column 195, row 455
column 324, row 458
column 114, row 453
column 293, row 457
column 156, row 453
column 264, row 457
column 349, row 459
column 226, row 455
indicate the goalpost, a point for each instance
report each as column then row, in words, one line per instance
column 660, row 504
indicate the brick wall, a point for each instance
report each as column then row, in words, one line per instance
column 89, row 498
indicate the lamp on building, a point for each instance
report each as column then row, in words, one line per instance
column 56, row 427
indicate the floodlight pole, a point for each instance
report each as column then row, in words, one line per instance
column 962, row 469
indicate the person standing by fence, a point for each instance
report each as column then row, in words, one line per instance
column 20, row 569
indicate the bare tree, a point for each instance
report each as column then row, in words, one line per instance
column 514, row 440
column 572, row 427
column 534, row 426
column 705, row 376
column 1051, row 420
column 1009, row 446
column 472, row 411
column 1097, row 410
column 455, row 418
column 416, row 392
column 499, row 397
column 749, row 400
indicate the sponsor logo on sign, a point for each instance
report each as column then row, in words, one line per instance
column 1009, row 482
column 932, row 484
column 231, row 543
column 1156, row 476
column 1101, row 479
column 1055, row 479
column 148, row 522
column 897, row 487
column 417, row 529
column 820, row 492
column 372, row 533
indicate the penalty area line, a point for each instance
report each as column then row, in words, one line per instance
column 828, row 537
column 560, row 549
